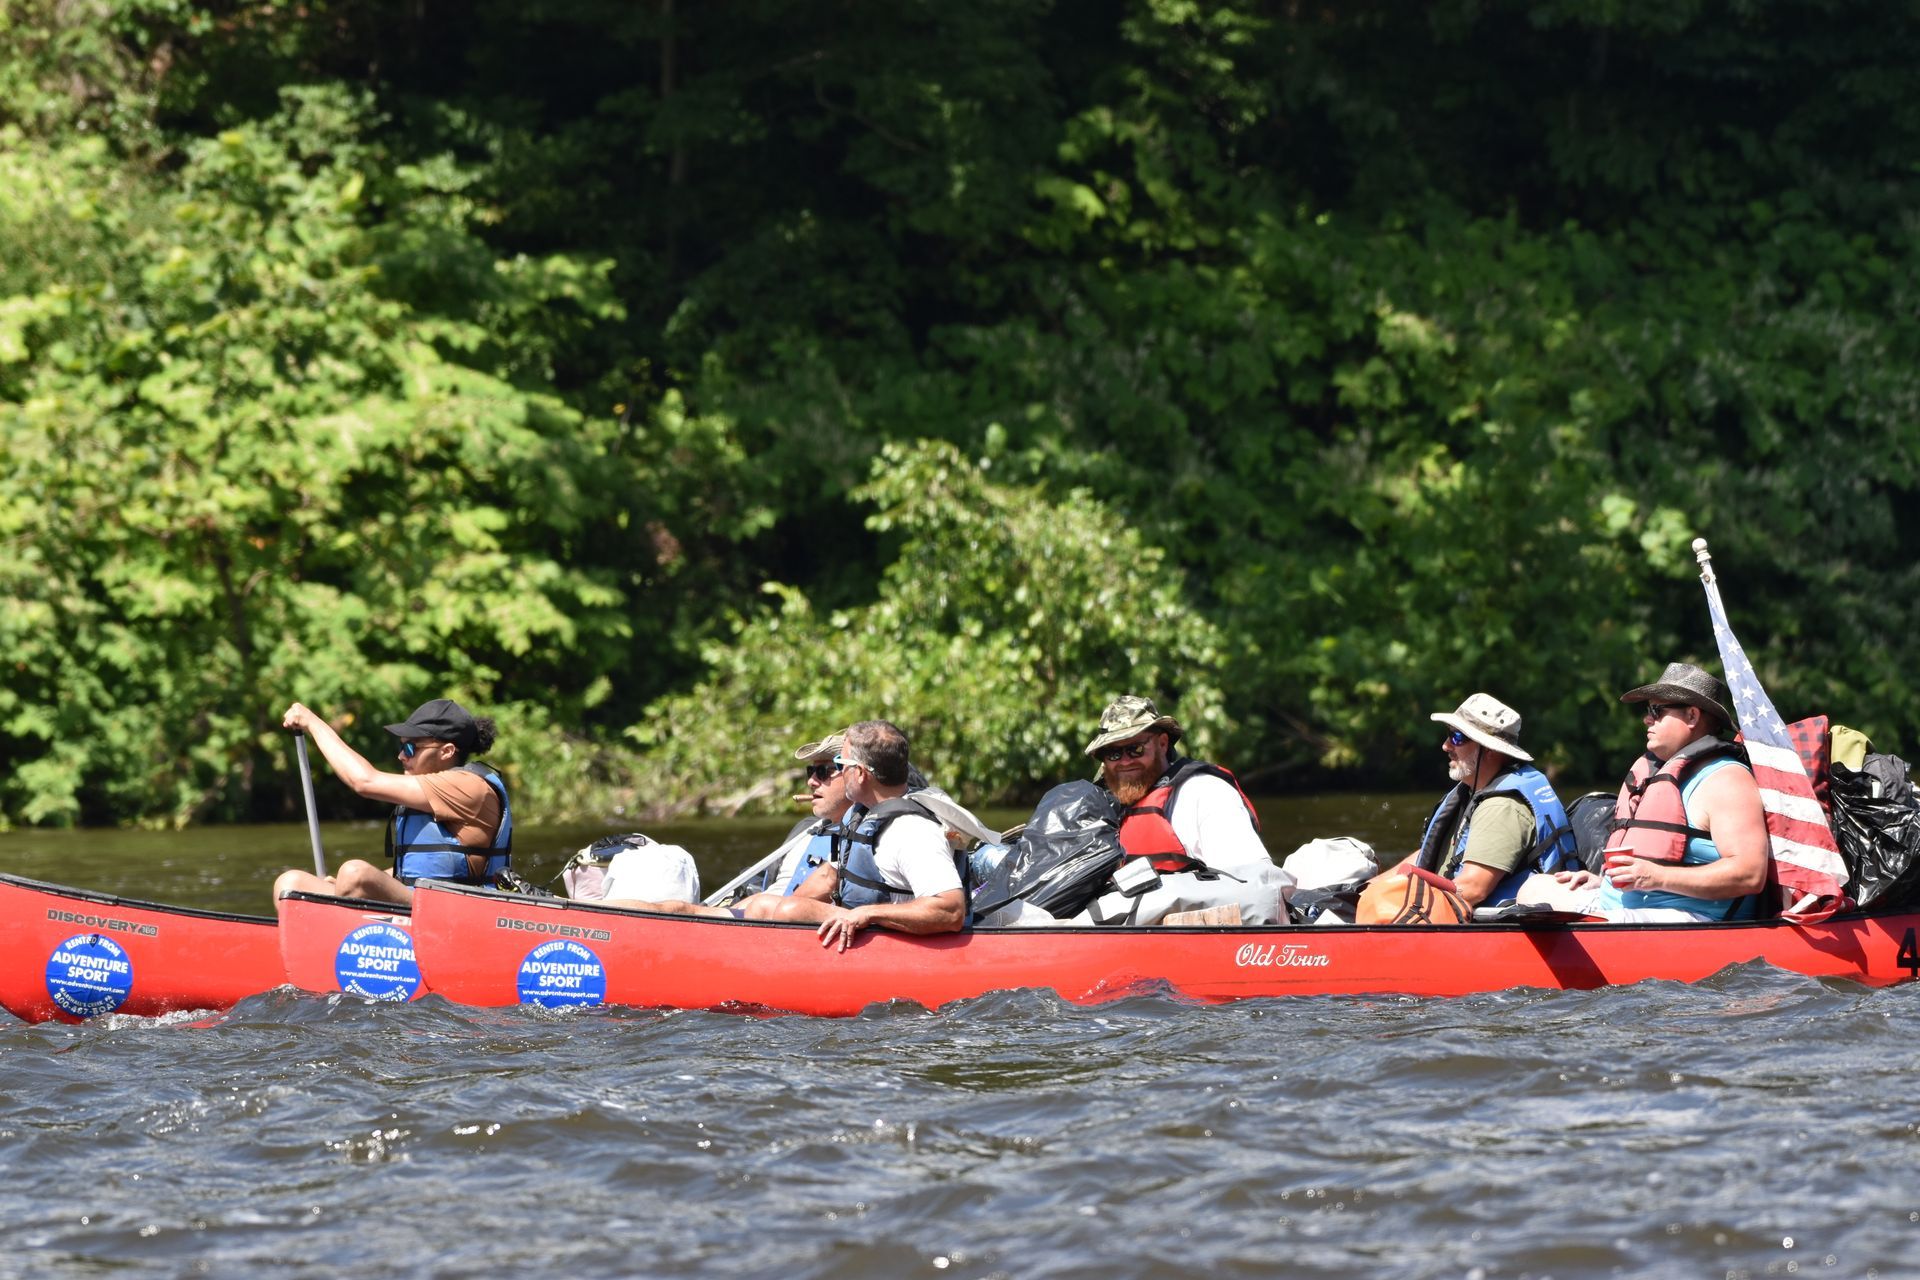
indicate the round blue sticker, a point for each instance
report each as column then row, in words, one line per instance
column 88, row 975
column 562, row 973
column 376, row 961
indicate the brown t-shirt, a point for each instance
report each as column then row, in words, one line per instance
column 464, row 804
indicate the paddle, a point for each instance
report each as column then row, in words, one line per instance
column 306, row 788
column 719, row 896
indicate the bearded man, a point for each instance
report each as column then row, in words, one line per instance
column 1502, row 821
column 1179, row 816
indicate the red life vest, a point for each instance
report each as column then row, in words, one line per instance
column 1650, row 815
column 1146, row 829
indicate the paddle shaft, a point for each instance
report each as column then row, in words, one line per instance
column 313, row 817
column 720, row 895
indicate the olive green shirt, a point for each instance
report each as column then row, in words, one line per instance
column 1501, row 837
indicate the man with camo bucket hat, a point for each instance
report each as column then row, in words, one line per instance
column 1189, row 835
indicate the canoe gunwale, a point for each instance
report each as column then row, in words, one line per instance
column 358, row 904
column 137, row 904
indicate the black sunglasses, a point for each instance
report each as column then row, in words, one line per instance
column 1130, row 751
column 823, row 772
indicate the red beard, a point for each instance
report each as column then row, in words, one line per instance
column 1129, row 792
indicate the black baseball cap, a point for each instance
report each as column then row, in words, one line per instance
column 444, row 720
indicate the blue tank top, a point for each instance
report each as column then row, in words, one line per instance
column 1700, row 850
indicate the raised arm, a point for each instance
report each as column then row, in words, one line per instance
column 351, row 767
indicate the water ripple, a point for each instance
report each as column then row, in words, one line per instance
column 1756, row 1123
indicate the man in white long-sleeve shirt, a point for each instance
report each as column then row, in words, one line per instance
column 1185, row 820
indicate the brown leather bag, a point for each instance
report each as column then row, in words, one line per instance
column 1411, row 896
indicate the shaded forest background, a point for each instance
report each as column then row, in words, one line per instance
column 675, row 381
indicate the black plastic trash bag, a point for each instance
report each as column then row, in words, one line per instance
column 1339, row 901
column 990, row 873
column 1591, row 817
column 1065, row 855
column 1877, row 826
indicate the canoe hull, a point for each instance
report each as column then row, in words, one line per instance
column 365, row 949
column 485, row 948
column 70, row 955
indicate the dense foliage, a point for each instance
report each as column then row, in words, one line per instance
column 674, row 381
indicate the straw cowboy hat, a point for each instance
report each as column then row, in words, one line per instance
column 1489, row 722
column 1130, row 716
column 1685, row 683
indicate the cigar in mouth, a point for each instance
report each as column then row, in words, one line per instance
column 803, row 799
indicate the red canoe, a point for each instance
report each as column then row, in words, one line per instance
column 346, row 944
column 71, row 954
column 480, row 947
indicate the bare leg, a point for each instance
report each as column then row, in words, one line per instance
column 793, row 908
column 671, row 907
column 355, row 879
column 359, row 879
column 303, row 882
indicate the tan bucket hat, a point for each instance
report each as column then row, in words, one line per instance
column 1685, row 683
column 825, row 749
column 1489, row 722
column 1129, row 716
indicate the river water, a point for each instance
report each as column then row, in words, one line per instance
column 1754, row 1124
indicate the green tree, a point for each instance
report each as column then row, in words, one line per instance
column 245, row 466
column 1009, row 617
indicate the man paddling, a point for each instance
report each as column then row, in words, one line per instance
column 1502, row 821
column 1690, row 836
column 451, row 818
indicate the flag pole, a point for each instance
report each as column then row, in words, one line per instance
column 1800, row 839
column 1706, row 562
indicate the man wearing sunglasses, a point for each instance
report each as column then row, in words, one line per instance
column 787, row 880
column 896, row 869
column 1690, row 835
column 1502, row 821
column 1185, row 821
column 451, row 818
column 809, row 846
column 874, row 855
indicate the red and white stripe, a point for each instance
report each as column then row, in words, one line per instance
column 1806, row 859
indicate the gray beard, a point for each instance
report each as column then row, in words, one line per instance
column 1463, row 769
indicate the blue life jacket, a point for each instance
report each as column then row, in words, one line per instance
column 818, row 853
column 421, row 849
column 861, row 881
column 1554, row 848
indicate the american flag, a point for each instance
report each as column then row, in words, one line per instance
column 1806, row 862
